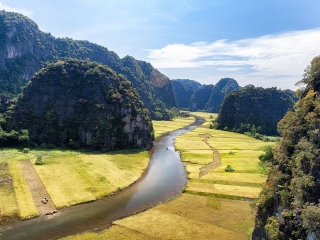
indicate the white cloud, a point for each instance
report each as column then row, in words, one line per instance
column 266, row 58
column 19, row 10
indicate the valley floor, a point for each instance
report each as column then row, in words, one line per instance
column 214, row 205
column 67, row 177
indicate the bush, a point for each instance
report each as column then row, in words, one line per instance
column 39, row 161
column 229, row 169
column 272, row 229
column 25, row 150
column 268, row 155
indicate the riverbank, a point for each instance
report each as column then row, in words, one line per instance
column 207, row 209
column 134, row 199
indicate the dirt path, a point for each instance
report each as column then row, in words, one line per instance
column 216, row 162
column 36, row 188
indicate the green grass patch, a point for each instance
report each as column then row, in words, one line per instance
column 87, row 176
column 115, row 232
column 23, row 196
column 218, row 212
column 208, row 194
column 193, row 217
column 237, row 150
column 8, row 203
column 162, row 127
column 225, row 182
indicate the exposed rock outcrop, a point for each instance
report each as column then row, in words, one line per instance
column 24, row 49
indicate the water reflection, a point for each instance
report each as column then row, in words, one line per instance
column 164, row 179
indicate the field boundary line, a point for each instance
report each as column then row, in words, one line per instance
column 217, row 195
column 119, row 225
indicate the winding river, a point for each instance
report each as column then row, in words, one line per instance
column 164, row 179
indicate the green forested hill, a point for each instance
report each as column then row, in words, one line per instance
column 195, row 85
column 183, row 93
column 219, row 91
column 81, row 103
column 24, row 49
column 200, row 98
column 288, row 206
column 254, row 109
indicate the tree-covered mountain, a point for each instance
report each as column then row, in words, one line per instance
column 81, row 103
column 183, row 93
column 288, row 206
column 220, row 90
column 254, row 109
column 196, row 85
column 24, row 49
column 200, row 98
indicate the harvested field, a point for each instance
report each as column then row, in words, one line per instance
column 36, row 188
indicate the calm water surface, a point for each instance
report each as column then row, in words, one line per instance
column 164, row 179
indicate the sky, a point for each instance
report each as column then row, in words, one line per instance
column 259, row 42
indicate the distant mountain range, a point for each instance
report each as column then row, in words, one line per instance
column 24, row 50
column 194, row 96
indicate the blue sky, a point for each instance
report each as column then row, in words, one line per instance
column 265, row 43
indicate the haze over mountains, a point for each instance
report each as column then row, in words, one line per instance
column 25, row 49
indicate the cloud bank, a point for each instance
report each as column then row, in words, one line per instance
column 271, row 60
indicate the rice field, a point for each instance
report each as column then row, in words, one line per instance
column 207, row 209
column 162, row 127
column 185, row 217
column 237, row 150
column 73, row 177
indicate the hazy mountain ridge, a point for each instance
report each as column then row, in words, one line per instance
column 183, row 93
column 220, row 90
column 24, row 49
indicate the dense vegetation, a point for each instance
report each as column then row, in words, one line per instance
column 24, row 49
column 219, row 91
column 182, row 93
column 288, row 206
column 200, row 98
column 255, row 110
column 195, row 85
column 80, row 103
column 193, row 96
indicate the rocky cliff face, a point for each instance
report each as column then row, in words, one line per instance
column 220, row 90
column 79, row 103
column 288, row 206
column 183, row 93
column 195, row 85
column 24, row 49
column 200, row 98
column 260, row 107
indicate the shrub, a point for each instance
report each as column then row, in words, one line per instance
column 39, row 161
column 25, row 150
column 229, row 169
column 268, row 155
column 272, row 229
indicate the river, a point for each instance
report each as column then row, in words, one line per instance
column 163, row 180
